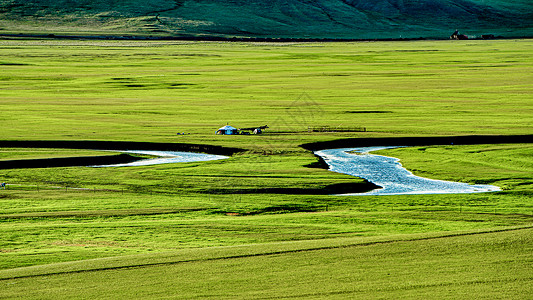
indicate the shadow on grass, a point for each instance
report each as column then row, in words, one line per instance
column 338, row 188
column 68, row 161
column 420, row 141
column 276, row 209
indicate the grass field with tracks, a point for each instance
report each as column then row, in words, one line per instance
column 259, row 224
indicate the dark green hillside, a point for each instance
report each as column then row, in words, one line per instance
column 274, row 18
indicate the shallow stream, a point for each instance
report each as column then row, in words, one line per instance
column 388, row 173
column 164, row 157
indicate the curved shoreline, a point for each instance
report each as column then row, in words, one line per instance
column 219, row 150
column 420, row 141
column 411, row 141
column 119, row 145
column 388, row 173
column 59, row 162
column 162, row 157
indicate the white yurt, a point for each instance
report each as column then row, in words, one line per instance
column 227, row 130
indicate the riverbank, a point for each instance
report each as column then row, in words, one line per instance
column 229, row 151
column 420, row 141
column 79, row 161
column 128, row 158
column 389, row 174
column 386, row 183
column 121, row 145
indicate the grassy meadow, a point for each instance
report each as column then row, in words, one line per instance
column 149, row 91
column 343, row 268
column 262, row 223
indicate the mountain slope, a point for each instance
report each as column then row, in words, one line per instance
column 274, row 18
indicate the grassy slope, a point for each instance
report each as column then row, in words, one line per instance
column 280, row 18
column 148, row 91
column 420, row 267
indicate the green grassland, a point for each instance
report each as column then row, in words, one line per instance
column 332, row 269
column 262, row 223
column 37, row 153
column 135, row 91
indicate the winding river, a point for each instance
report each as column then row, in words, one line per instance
column 388, row 173
column 383, row 171
column 163, row 157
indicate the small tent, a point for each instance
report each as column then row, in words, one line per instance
column 227, row 130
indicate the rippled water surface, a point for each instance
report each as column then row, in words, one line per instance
column 165, row 157
column 388, row 173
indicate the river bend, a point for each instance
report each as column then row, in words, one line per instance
column 388, row 173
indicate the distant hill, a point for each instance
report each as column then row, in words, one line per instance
column 359, row 19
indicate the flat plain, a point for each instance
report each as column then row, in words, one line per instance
column 262, row 223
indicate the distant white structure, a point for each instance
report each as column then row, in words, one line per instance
column 227, row 130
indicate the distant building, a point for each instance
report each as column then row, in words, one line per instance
column 230, row 130
column 227, row 130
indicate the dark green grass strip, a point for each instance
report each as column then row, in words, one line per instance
column 221, row 253
column 421, row 141
column 100, row 213
column 120, row 145
column 67, row 161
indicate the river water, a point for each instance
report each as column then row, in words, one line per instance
column 164, row 157
column 388, row 173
